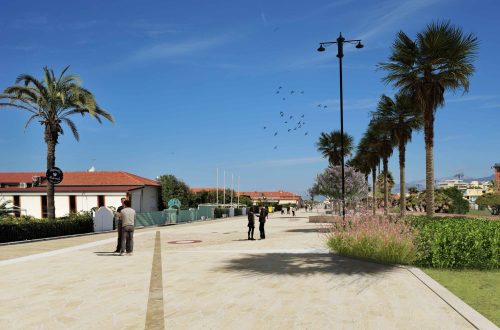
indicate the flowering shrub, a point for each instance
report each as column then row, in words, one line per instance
column 374, row 237
column 329, row 184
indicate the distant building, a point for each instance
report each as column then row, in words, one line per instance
column 280, row 197
column 459, row 184
column 471, row 191
column 79, row 191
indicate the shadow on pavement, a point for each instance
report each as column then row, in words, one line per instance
column 309, row 230
column 302, row 264
column 106, row 254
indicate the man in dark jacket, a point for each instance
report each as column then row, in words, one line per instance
column 119, row 226
column 251, row 224
column 262, row 221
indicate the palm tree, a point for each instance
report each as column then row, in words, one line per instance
column 367, row 152
column 361, row 164
column 400, row 118
column 385, row 181
column 51, row 101
column 329, row 145
column 383, row 144
column 440, row 59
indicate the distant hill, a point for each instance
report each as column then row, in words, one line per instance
column 420, row 184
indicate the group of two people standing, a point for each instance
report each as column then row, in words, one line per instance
column 125, row 222
column 262, row 214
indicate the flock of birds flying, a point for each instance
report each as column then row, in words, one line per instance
column 292, row 123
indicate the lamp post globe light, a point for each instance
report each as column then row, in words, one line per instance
column 340, row 54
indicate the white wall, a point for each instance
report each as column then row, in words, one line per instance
column 86, row 201
column 32, row 204
column 135, row 196
column 61, row 202
column 145, row 199
column 114, row 200
column 4, row 198
column 150, row 199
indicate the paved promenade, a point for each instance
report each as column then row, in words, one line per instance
column 287, row 281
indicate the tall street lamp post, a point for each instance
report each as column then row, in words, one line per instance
column 340, row 53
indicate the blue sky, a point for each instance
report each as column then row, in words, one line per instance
column 191, row 84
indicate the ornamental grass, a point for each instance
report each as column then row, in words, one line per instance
column 379, row 238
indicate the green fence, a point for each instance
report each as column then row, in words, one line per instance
column 173, row 216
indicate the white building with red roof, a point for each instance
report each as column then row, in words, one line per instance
column 79, row 191
column 279, row 197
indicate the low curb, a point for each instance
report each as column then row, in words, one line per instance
column 106, row 232
column 477, row 320
column 54, row 238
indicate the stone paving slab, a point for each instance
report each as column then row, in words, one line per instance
column 287, row 281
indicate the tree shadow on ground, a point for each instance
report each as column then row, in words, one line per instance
column 309, row 230
column 106, row 254
column 302, row 264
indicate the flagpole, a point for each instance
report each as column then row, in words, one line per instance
column 232, row 188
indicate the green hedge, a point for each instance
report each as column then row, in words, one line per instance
column 26, row 228
column 457, row 242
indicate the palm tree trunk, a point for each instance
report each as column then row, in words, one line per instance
column 429, row 160
column 402, row 190
column 51, row 159
column 386, row 193
column 374, row 181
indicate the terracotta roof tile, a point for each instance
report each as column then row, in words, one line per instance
column 71, row 189
column 102, row 178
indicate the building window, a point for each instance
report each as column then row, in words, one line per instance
column 17, row 202
column 72, row 204
column 101, row 201
column 43, row 201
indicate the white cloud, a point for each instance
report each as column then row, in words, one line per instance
column 175, row 50
column 394, row 13
column 263, row 17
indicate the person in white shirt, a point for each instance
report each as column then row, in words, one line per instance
column 127, row 215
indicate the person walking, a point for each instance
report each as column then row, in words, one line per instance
column 127, row 215
column 251, row 224
column 262, row 221
column 293, row 210
column 118, row 222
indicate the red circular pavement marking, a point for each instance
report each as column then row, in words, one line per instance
column 185, row 241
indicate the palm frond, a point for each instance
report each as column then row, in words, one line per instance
column 73, row 128
column 34, row 116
